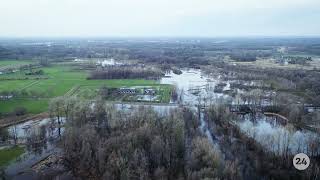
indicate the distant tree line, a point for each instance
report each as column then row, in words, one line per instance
column 174, row 51
column 125, row 73
column 243, row 57
column 313, row 48
column 38, row 72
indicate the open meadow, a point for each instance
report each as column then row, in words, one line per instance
column 10, row 63
column 34, row 93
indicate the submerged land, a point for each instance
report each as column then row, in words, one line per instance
column 162, row 108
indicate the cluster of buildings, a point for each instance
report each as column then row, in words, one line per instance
column 293, row 60
column 146, row 91
column 6, row 97
column 108, row 62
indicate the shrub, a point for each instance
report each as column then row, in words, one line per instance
column 19, row 111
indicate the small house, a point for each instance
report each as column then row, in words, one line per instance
column 6, row 97
column 127, row 91
column 149, row 91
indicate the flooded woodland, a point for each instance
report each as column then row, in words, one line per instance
column 185, row 120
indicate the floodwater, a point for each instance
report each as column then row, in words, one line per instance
column 277, row 137
column 195, row 87
column 162, row 110
column 150, row 98
column 39, row 138
column 23, row 130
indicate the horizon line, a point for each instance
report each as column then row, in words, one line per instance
column 161, row 37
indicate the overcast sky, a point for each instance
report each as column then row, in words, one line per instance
column 211, row 18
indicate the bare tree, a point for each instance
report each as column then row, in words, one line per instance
column 56, row 111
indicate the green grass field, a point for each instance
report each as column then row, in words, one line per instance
column 21, row 75
column 14, row 62
column 9, row 154
column 33, row 106
column 11, row 85
column 165, row 94
column 61, row 79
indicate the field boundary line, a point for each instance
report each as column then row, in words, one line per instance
column 31, row 84
column 72, row 90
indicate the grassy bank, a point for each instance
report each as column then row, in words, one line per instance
column 9, row 154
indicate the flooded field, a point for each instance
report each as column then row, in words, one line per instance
column 39, row 138
column 194, row 90
column 194, row 87
column 278, row 137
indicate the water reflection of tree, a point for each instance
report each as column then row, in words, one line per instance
column 51, row 128
column 4, row 135
column 36, row 140
column 2, row 174
column 14, row 134
column 313, row 144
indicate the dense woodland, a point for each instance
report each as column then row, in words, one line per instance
column 103, row 143
column 126, row 73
